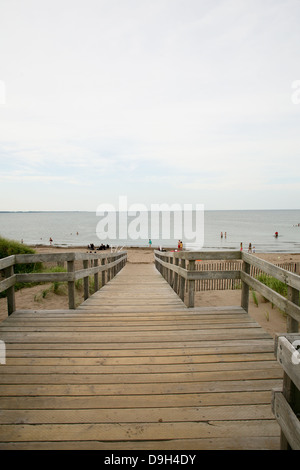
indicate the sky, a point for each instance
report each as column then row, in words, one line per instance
column 161, row 101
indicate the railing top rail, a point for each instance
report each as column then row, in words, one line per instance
column 87, row 256
column 203, row 255
column 60, row 257
column 7, row 262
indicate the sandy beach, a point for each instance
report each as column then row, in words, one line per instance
column 42, row 296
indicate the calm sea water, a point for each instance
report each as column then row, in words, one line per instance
column 80, row 229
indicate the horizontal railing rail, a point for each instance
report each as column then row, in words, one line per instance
column 110, row 265
column 178, row 268
column 286, row 402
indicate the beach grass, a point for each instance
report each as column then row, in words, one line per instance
column 11, row 247
column 276, row 285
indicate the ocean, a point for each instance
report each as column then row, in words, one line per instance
column 80, row 229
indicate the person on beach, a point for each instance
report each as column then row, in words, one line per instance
column 241, row 246
column 150, row 242
column 50, row 241
column 250, row 248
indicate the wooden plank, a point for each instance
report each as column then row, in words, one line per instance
column 152, row 431
column 240, row 443
column 140, row 415
column 7, row 283
column 203, row 255
column 44, row 258
column 45, row 277
column 214, row 386
column 128, row 373
column 7, row 262
column 67, row 358
column 251, row 397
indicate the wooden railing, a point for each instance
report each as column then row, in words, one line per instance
column 232, row 265
column 108, row 264
column 178, row 268
column 286, row 402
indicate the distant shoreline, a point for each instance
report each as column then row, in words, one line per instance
column 141, row 252
column 133, row 247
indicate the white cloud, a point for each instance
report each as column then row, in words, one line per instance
column 115, row 87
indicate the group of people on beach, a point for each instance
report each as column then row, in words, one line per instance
column 180, row 245
column 101, row 247
column 250, row 248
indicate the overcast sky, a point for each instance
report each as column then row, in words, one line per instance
column 163, row 101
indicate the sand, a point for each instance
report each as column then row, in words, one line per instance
column 42, row 296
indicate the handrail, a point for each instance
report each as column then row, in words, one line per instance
column 167, row 263
column 111, row 263
column 286, row 402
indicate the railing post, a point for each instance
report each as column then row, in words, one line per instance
column 291, row 324
column 175, row 285
column 10, row 293
column 170, row 274
column 96, row 276
column 71, row 285
column 245, row 288
column 182, row 281
column 108, row 277
column 191, row 285
column 103, row 272
column 86, row 280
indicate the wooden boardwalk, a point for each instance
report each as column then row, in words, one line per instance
column 133, row 368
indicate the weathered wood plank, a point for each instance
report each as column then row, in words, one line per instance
column 224, row 386
column 140, row 415
column 152, row 431
column 251, row 397
column 7, row 262
column 7, row 283
column 240, row 443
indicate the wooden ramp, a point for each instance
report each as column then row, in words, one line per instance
column 133, row 368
